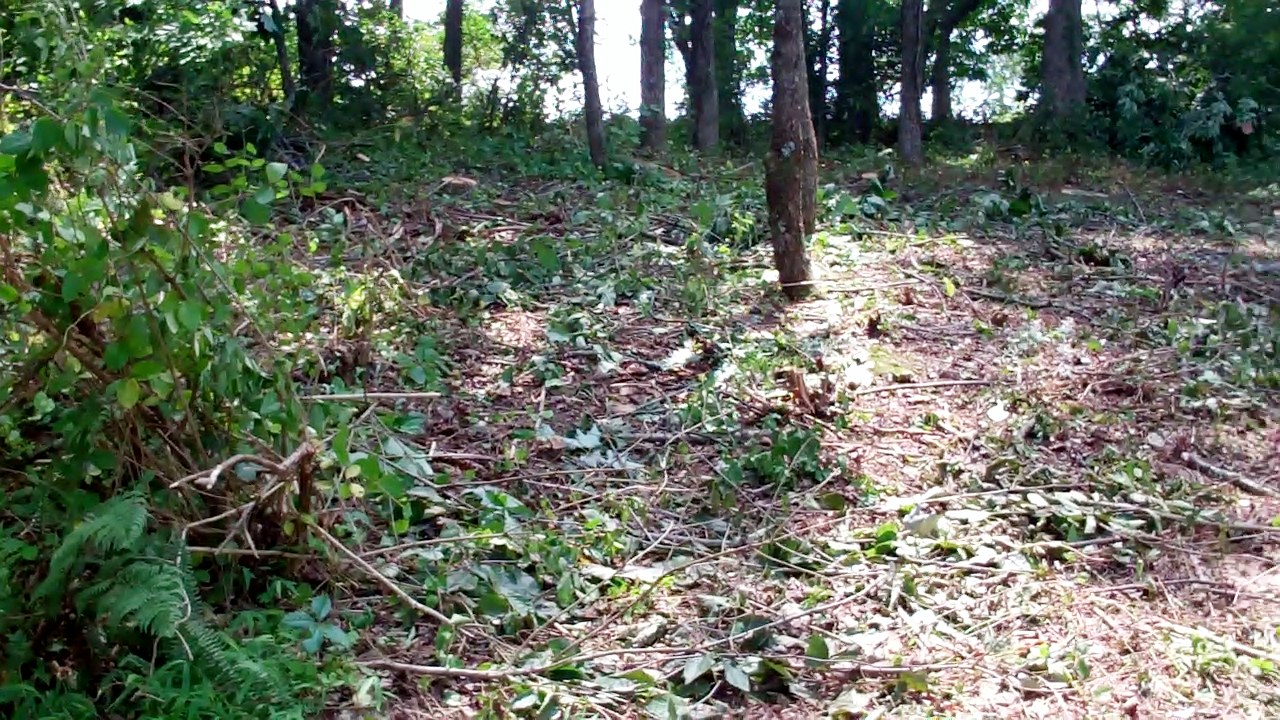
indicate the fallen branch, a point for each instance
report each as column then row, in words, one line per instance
column 1008, row 299
column 206, row 479
column 1247, row 484
column 372, row 396
column 917, row 386
column 1237, row 647
column 379, row 578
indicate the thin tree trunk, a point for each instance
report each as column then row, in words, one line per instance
column 733, row 120
column 315, row 25
column 940, row 78
column 653, row 62
column 791, row 180
column 453, row 14
column 941, row 20
column 818, row 93
column 592, row 107
column 282, row 53
column 856, row 107
column 703, row 98
column 1062, row 67
column 910, row 131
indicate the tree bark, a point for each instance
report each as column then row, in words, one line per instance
column 1062, row 82
column 791, row 179
column 653, row 82
column 856, row 106
column 592, row 108
column 453, row 14
column 910, row 126
column 315, row 21
column 733, row 118
column 703, row 98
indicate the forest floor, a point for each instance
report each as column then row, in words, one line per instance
column 1017, row 457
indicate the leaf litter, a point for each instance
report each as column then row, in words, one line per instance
column 1003, row 464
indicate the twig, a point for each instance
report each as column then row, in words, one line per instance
column 1008, row 299
column 433, row 541
column 251, row 553
column 366, row 396
column 1234, row 646
column 206, row 479
column 917, row 386
column 1235, row 478
column 378, row 577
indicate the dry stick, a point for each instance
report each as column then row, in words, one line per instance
column 432, row 541
column 378, row 577
column 252, row 553
column 369, row 396
column 1235, row 478
column 1234, row 646
column 917, row 386
column 208, row 478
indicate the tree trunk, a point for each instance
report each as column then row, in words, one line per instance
column 453, row 13
column 703, row 98
column 315, row 23
column 940, row 78
column 818, row 88
column 941, row 21
column 653, row 83
column 910, row 132
column 282, row 53
column 856, row 106
column 733, row 119
column 592, row 107
column 1062, row 67
column 791, row 180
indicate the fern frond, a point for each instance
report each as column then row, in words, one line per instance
column 116, row 524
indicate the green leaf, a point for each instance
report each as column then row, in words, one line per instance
column 8, row 293
column 42, row 404
column 17, row 142
column 276, row 172
column 128, row 392
column 116, row 356
column 46, row 134
column 255, row 212
column 117, row 123
column 321, row 606
column 266, row 195
column 313, row 642
column 190, row 314
column 547, row 256
column 817, row 648
column 298, row 620
column 697, row 667
column 338, row 636
column 737, row 677
column 73, row 286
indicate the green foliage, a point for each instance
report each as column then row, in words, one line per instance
column 1176, row 91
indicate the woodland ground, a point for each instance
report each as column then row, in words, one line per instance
column 1018, row 457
